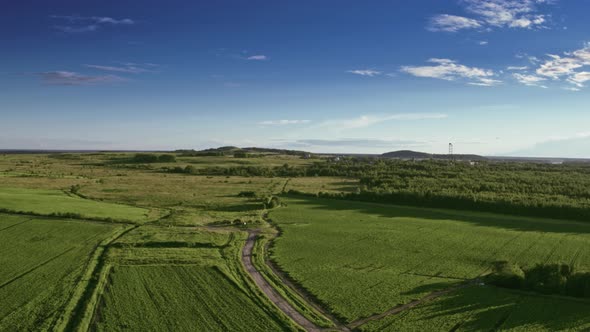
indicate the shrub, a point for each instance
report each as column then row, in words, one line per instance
column 578, row 285
column 548, row 278
column 507, row 275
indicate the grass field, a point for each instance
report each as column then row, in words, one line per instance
column 41, row 260
column 374, row 257
column 169, row 278
column 48, row 202
column 204, row 299
column 489, row 309
column 174, row 269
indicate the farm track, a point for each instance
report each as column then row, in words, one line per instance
column 401, row 308
column 270, row 292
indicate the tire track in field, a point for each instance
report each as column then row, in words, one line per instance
column 14, row 225
column 35, row 267
column 270, row 292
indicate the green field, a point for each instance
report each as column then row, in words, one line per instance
column 179, row 298
column 41, row 262
column 375, row 257
column 48, row 202
column 488, row 309
column 173, row 261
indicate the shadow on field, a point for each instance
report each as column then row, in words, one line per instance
column 490, row 309
column 478, row 218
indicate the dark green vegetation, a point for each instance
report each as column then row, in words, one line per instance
column 542, row 278
column 116, row 241
column 375, row 257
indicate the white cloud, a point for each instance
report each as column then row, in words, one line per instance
column 523, row 14
column 579, row 78
column 72, row 78
column 570, row 88
column 517, row 68
column 127, row 68
column 530, row 80
column 483, row 42
column 259, row 57
column 567, row 66
column 452, row 23
column 79, row 24
column 282, row 122
column 450, row 70
column 558, row 66
column 507, row 13
column 369, row 120
column 365, row 72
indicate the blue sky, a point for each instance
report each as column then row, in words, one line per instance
column 495, row 77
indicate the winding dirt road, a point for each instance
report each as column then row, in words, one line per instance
column 273, row 296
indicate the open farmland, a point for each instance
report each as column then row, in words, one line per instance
column 205, row 299
column 375, row 257
column 197, row 268
column 54, row 202
column 42, row 260
column 174, row 259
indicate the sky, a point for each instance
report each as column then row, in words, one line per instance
column 493, row 77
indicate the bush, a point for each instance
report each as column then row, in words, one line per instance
column 548, row 279
column 507, row 275
column 578, row 285
column 273, row 202
column 167, row 158
column 247, row 194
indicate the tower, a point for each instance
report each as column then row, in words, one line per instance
column 450, row 149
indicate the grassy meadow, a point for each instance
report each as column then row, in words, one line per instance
column 42, row 260
column 95, row 241
column 375, row 257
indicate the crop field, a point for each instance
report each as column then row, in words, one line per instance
column 488, row 309
column 194, row 267
column 205, row 299
column 48, row 202
column 375, row 257
column 41, row 260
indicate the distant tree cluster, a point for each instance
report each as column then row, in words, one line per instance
column 153, row 158
column 555, row 191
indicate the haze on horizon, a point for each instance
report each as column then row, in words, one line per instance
column 495, row 77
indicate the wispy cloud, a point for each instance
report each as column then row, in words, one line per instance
column 259, row 57
column 369, row 120
column 365, row 72
column 517, row 68
column 530, row 80
column 362, row 142
column 489, row 14
column 568, row 67
column 452, row 23
column 72, row 78
column 130, row 68
column 80, row 24
column 450, row 70
column 283, row 122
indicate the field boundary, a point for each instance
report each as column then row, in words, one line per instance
column 288, row 290
column 76, row 312
column 270, row 292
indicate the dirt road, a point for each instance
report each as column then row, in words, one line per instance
column 272, row 295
